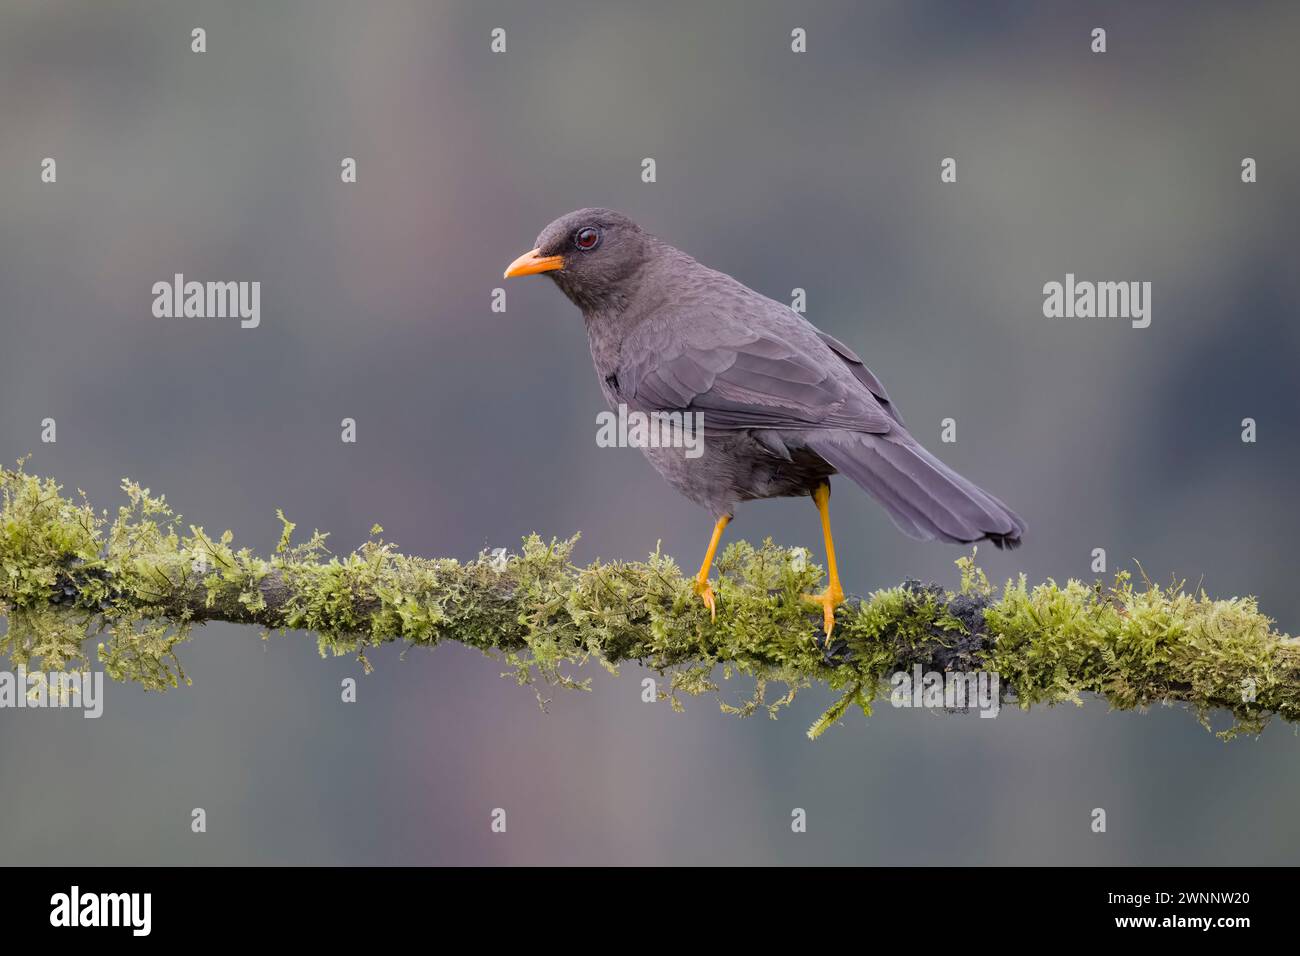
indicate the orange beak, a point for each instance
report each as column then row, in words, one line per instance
column 530, row 263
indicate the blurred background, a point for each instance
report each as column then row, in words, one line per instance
column 817, row 170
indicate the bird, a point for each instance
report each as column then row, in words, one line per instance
column 784, row 406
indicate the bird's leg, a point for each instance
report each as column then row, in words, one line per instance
column 701, row 584
column 833, row 596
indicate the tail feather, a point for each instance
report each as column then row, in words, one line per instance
column 925, row 498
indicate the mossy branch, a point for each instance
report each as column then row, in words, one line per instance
column 141, row 583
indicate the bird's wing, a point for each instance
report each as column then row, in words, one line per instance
column 746, row 377
column 862, row 373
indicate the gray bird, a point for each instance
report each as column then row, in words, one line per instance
column 784, row 405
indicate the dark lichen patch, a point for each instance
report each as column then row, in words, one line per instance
column 142, row 581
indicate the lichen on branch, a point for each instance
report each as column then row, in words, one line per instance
column 140, row 582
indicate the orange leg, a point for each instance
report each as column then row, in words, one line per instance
column 701, row 584
column 833, row 596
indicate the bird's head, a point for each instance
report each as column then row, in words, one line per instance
column 592, row 254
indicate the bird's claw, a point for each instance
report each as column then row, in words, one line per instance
column 829, row 601
column 705, row 592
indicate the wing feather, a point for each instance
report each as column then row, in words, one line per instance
column 755, row 378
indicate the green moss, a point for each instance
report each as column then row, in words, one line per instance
column 141, row 584
column 1137, row 647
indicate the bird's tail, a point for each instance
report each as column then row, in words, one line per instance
column 925, row 498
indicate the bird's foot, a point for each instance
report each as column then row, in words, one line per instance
column 701, row 587
column 829, row 600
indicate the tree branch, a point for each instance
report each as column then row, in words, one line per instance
column 67, row 574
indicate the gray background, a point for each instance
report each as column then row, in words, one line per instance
column 817, row 170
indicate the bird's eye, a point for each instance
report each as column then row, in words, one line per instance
column 586, row 238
